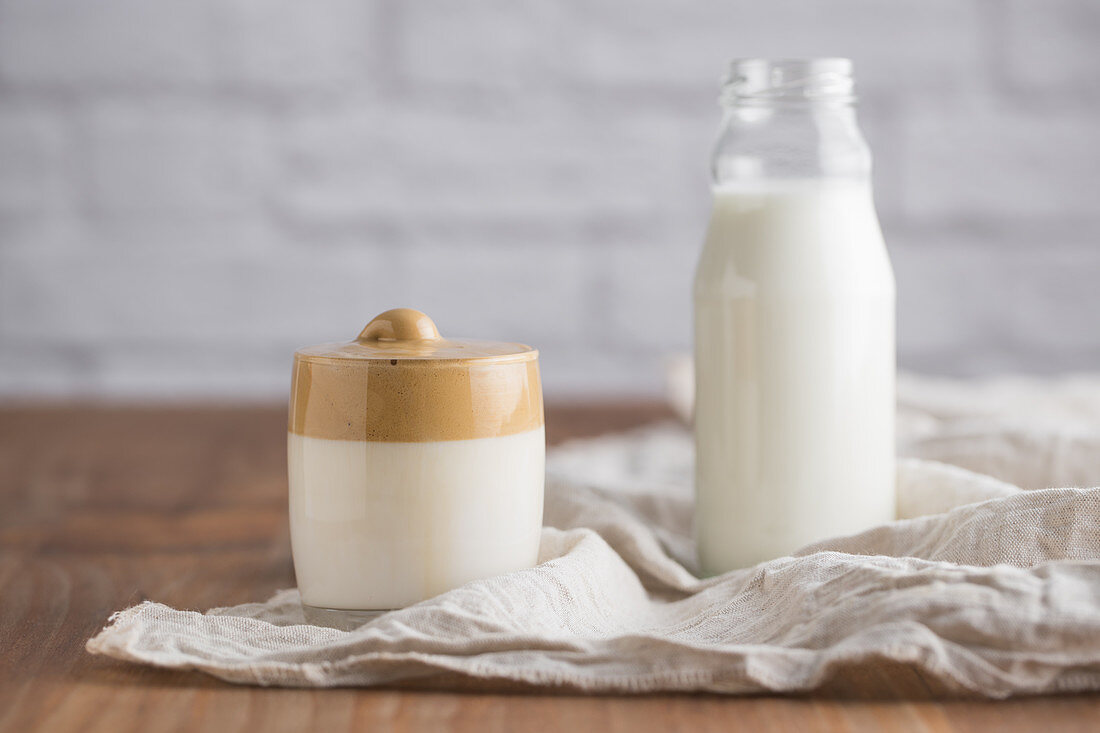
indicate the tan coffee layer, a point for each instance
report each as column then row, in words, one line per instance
column 402, row 400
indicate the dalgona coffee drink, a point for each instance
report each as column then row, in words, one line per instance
column 416, row 464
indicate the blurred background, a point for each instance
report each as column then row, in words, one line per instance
column 191, row 189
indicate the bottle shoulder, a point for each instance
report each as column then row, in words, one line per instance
column 804, row 236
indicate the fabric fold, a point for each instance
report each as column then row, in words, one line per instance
column 980, row 587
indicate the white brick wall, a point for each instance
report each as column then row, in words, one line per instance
column 137, row 44
column 294, row 47
column 478, row 45
column 1002, row 163
column 1052, row 47
column 174, row 159
column 35, row 176
column 906, row 44
column 981, row 302
column 191, row 189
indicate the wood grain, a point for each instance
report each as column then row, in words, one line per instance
column 101, row 507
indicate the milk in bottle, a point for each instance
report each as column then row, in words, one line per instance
column 794, row 323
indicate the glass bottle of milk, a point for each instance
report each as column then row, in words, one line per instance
column 794, row 322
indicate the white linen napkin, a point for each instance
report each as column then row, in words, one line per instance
column 988, row 582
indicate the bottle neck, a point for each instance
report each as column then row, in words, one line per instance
column 789, row 120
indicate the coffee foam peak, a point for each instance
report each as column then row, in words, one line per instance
column 400, row 381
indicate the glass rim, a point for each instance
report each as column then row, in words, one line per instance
column 763, row 81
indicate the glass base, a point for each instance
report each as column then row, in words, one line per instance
column 339, row 618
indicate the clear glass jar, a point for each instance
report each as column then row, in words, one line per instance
column 415, row 464
column 794, row 322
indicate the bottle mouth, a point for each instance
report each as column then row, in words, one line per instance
column 767, row 81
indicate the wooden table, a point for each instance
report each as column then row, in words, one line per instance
column 103, row 507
